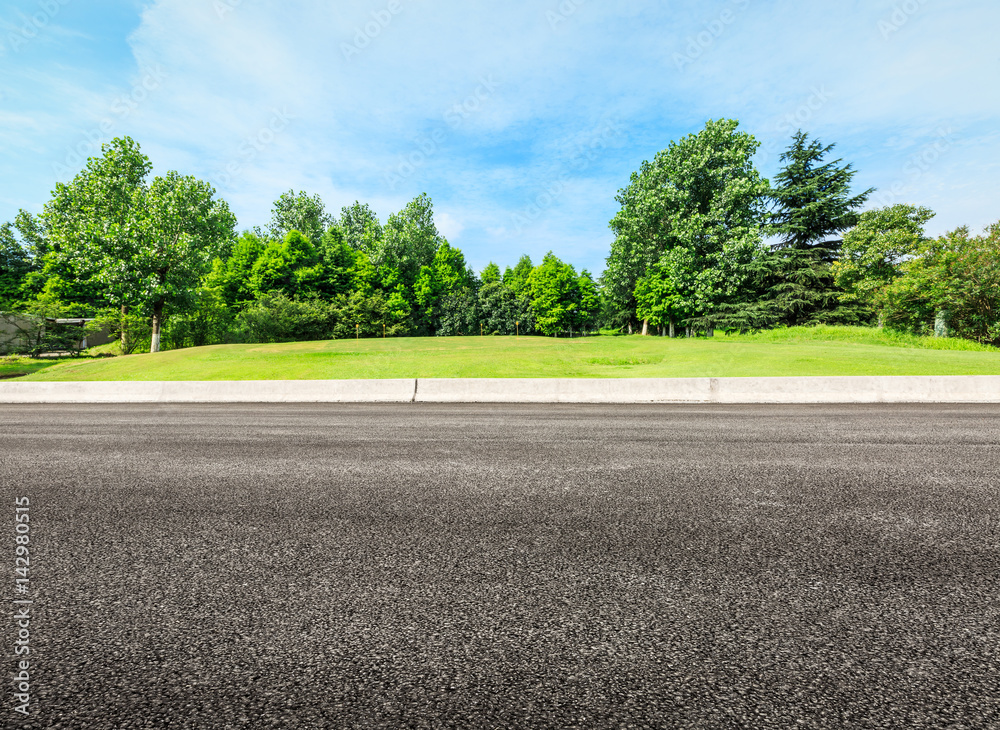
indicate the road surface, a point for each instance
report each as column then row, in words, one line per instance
column 506, row 566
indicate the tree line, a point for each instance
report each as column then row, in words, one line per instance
column 129, row 250
column 702, row 241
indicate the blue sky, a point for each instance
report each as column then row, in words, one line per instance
column 520, row 119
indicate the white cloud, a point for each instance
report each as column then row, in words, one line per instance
column 448, row 226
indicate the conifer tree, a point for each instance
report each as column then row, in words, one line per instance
column 812, row 205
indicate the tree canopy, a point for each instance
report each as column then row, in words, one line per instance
column 145, row 243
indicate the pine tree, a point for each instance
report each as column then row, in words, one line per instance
column 812, row 204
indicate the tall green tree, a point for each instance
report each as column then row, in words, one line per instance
column 146, row 244
column 16, row 262
column 812, row 205
column 446, row 276
column 233, row 275
column 503, row 312
column 300, row 212
column 874, row 250
column 490, row 274
column 360, row 227
column 516, row 279
column 410, row 241
column 701, row 204
column 589, row 309
column 555, row 295
column 24, row 268
column 661, row 295
column 291, row 265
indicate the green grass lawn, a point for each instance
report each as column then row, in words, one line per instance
column 15, row 367
column 795, row 351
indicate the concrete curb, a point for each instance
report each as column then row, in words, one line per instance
column 848, row 389
column 219, row 391
column 859, row 389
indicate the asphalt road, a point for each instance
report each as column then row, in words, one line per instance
column 506, row 566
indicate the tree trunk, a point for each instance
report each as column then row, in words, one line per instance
column 710, row 332
column 630, row 326
column 673, row 333
column 645, row 327
column 154, row 343
column 125, row 344
column 687, row 331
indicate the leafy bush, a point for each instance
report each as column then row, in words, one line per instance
column 276, row 317
column 208, row 322
column 955, row 280
column 363, row 315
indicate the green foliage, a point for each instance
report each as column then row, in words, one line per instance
column 956, row 276
column 659, row 295
column 555, row 295
column 130, row 329
column 299, row 212
column 144, row 244
column 503, row 312
column 207, row 322
column 874, row 250
column 688, row 250
column 371, row 315
column 291, row 265
column 409, row 242
column 589, row 308
column 696, row 211
column 458, row 313
column 360, row 228
column 276, row 317
column 800, row 290
column 446, row 277
column 15, row 265
column 233, row 276
column 812, row 201
column 490, row 274
column 516, row 279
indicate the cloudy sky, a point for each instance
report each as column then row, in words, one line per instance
column 520, row 119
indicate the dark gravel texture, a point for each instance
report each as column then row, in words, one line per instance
column 326, row 566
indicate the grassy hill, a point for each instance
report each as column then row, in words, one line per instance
column 794, row 351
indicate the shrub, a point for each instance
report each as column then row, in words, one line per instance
column 276, row 317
